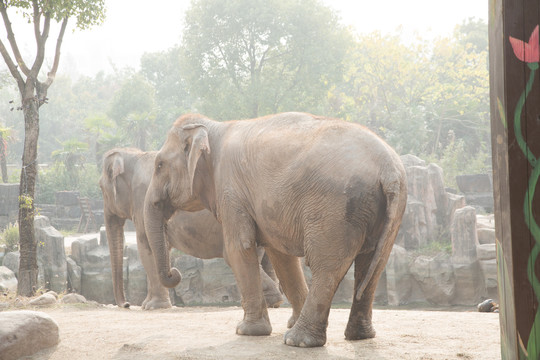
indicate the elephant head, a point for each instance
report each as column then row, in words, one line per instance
column 180, row 173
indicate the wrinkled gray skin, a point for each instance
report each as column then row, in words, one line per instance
column 124, row 181
column 297, row 184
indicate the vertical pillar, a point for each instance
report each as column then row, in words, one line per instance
column 515, row 131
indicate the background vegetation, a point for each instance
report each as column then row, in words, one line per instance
column 247, row 58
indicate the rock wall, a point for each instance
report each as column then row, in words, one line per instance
column 418, row 270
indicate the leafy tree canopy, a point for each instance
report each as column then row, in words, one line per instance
column 245, row 58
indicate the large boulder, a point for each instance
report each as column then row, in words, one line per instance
column 435, row 275
column 470, row 283
column 24, row 333
column 74, row 275
column 399, row 284
column 191, row 288
column 135, row 276
column 51, row 256
column 11, row 261
column 96, row 277
column 8, row 280
column 219, row 284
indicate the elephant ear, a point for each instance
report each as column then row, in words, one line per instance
column 116, row 168
column 197, row 142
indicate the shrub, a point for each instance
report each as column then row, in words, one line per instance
column 10, row 237
column 56, row 178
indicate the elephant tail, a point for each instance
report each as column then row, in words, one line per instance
column 394, row 187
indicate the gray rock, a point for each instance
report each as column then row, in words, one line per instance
column 474, row 183
column 136, row 287
column 435, row 276
column 470, row 284
column 46, row 299
column 24, row 333
column 464, row 238
column 411, row 160
column 74, row 299
column 219, row 283
column 489, row 270
column 94, row 260
column 485, row 235
column 51, row 256
column 398, row 277
column 11, row 261
column 8, row 281
column 74, row 275
column 486, row 251
column 190, row 290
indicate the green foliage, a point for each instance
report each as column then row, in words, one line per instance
column 9, row 237
column 427, row 99
column 56, row 178
column 133, row 109
column 456, row 160
column 434, row 248
column 245, row 58
column 86, row 13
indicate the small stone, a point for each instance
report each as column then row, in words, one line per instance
column 74, row 298
column 44, row 300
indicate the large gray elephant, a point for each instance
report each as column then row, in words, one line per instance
column 124, row 181
column 297, row 184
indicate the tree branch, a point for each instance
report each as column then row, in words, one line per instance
column 37, row 20
column 11, row 38
column 41, row 39
column 11, row 65
column 51, row 74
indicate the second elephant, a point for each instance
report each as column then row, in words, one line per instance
column 124, row 181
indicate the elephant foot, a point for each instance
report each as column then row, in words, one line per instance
column 359, row 331
column 260, row 327
column 302, row 338
column 156, row 303
column 124, row 305
column 273, row 299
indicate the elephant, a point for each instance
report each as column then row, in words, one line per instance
column 299, row 185
column 125, row 178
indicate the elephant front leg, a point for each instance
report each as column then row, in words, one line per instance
column 240, row 252
column 157, row 295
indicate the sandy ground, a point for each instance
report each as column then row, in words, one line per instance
column 89, row 332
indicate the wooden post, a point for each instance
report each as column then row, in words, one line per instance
column 515, row 132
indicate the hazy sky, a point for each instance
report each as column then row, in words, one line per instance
column 133, row 27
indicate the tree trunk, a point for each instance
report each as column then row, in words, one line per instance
column 28, row 268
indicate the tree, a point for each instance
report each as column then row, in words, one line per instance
column 244, row 58
column 33, row 94
column 132, row 109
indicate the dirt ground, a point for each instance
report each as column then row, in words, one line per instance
column 209, row 333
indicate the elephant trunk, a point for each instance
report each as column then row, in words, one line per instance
column 154, row 221
column 114, row 227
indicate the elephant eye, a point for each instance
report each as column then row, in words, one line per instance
column 159, row 166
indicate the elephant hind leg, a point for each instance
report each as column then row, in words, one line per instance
column 360, row 325
column 291, row 277
column 310, row 329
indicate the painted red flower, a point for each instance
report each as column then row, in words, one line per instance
column 528, row 52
